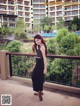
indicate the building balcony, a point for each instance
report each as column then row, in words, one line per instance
column 76, row 8
column 39, row 7
column 3, row 3
column 11, row 9
column 4, row 9
column 37, row 2
column 52, row 16
column 68, row 9
column 68, row 19
column 20, row 15
column 28, row 6
column 38, row 12
column 27, row 9
column 59, row 15
column 11, row 4
column 9, row 84
column 27, row 16
column 59, row 10
column 11, row 13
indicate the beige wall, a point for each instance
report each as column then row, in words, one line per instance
column 4, row 66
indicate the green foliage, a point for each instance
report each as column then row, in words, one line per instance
column 19, row 30
column 74, row 27
column 22, row 35
column 60, row 71
column 51, row 46
column 46, row 24
column 53, row 27
column 60, row 24
column 75, row 21
column 14, row 46
column 61, row 33
column 4, row 31
column 46, row 28
column 20, row 64
column 36, row 26
column 65, row 43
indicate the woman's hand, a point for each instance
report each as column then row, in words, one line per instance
column 45, row 71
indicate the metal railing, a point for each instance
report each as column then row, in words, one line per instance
column 63, row 70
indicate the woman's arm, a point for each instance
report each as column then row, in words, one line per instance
column 44, row 57
column 34, row 50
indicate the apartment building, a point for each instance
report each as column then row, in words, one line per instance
column 65, row 9
column 12, row 9
column 39, row 10
column 32, row 11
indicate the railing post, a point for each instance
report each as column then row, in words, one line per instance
column 10, row 64
column 4, row 67
column 77, row 73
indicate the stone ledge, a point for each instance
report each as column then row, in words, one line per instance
column 49, row 85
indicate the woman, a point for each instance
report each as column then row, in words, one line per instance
column 40, row 69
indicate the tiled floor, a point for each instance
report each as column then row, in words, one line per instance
column 22, row 95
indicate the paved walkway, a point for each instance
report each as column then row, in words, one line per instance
column 22, row 95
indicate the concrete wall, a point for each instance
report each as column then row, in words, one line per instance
column 4, row 65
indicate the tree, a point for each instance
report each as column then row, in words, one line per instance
column 74, row 27
column 46, row 28
column 60, row 24
column 46, row 22
column 19, row 29
column 65, row 43
column 4, row 31
column 61, row 33
column 20, row 64
column 53, row 27
column 36, row 26
column 76, row 21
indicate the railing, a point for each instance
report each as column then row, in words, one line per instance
column 63, row 70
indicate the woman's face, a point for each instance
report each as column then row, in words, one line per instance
column 38, row 41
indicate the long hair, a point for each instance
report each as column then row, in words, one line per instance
column 34, row 47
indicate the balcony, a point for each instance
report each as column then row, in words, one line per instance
column 68, row 19
column 67, row 9
column 3, row 3
column 74, row 8
column 10, row 9
column 19, row 2
column 12, row 20
column 11, row 3
column 75, row 13
column 38, row 2
column 11, row 13
column 39, row 12
column 24, row 96
column 2, row 8
column 27, row 9
column 27, row 16
column 38, row 7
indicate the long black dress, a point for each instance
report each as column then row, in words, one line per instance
column 37, row 74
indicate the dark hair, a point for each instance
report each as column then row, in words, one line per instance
column 42, row 41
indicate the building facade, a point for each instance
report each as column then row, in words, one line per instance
column 65, row 9
column 19, row 8
column 32, row 11
column 39, row 10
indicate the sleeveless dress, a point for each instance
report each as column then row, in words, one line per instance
column 37, row 74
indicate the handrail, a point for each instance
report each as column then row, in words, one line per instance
column 48, row 55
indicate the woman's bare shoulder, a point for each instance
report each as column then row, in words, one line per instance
column 42, row 47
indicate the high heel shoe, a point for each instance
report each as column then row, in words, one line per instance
column 40, row 96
